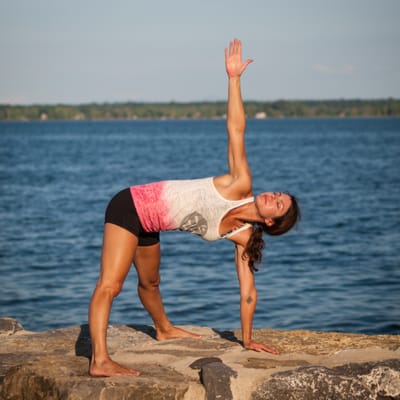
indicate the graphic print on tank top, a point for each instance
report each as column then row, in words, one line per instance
column 194, row 223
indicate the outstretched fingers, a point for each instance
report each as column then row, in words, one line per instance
column 233, row 59
column 235, row 47
column 260, row 347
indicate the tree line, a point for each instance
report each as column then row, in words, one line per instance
column 207, row 110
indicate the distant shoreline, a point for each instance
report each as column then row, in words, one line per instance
column 366, row 117
column 202, row 110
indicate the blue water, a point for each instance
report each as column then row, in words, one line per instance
column 340, row 270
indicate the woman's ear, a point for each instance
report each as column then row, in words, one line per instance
column 269, row 221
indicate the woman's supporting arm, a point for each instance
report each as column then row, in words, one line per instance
column 248, row 301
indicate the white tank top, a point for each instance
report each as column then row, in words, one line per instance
column 189, row 205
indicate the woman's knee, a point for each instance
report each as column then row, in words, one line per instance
column 112, row 289
column 150, row 283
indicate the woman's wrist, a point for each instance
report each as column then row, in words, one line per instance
column 246, row 338
column 246, row 342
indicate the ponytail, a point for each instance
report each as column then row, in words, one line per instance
column 254, row 247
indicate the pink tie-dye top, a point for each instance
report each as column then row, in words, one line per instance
column 189, row 205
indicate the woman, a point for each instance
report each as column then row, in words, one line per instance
column 214, row 208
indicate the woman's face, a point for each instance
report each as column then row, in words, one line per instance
column 272, row 205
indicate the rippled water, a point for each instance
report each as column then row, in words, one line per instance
column 340, row 270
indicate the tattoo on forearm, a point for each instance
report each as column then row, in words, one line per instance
column 249, row 300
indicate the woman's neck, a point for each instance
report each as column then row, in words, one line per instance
column 245, row 213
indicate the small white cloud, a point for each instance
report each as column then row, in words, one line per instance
column 346, row 69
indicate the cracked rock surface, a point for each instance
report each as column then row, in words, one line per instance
column 311, row 365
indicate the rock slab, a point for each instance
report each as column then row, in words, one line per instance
column 311, row 365
column 376, row 380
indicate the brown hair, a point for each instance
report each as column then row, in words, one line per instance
column 255, row 245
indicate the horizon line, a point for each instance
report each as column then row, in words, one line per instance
column 150, row 102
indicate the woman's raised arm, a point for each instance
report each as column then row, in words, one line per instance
column 239, row 171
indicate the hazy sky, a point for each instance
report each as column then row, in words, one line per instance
column 79, row 51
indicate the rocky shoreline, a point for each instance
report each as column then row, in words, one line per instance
column 312, row 365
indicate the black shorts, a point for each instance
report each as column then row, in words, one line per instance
column 121, row 211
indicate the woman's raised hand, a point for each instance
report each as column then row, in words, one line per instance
column 233, row 59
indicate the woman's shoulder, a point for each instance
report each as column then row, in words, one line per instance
column 233, row 188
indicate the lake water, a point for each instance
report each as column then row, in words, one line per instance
column 339, row 270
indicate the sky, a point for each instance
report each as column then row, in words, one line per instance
column 83, row 51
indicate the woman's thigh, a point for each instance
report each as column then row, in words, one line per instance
column 119, row 247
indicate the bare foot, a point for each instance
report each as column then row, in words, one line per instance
column 176, row 333
column 110, row 368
